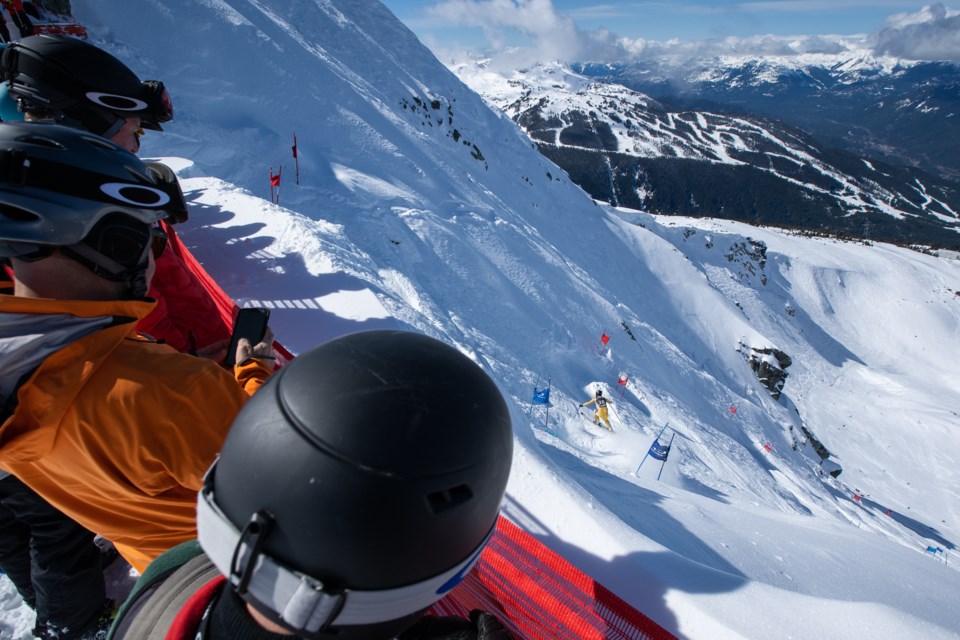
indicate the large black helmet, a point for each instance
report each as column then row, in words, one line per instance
column 81, row 85
column 359, row 485
column 67, row 189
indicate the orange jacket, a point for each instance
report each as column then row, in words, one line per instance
column 115, row 430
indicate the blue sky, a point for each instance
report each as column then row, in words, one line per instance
column 449, row 25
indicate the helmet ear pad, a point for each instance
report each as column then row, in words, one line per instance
column 116, row 249
column 122, row 239
column 102, row 122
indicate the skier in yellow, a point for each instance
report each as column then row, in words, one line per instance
column 601, row 411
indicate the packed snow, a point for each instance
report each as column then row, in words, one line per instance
column 419, row 207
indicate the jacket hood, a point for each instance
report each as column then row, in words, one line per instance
column 66, row 340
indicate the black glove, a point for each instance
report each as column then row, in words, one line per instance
column 581, row 405
column 488, row 627
column 480, row 626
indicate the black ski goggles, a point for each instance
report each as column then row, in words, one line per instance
column 159, row 105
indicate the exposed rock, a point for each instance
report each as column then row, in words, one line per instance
column 769, row 364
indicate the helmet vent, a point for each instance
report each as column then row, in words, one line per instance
column 16, row 214
column 41, row 141
column 447, row 499
column 103, row 143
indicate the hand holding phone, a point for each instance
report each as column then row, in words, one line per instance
column 251, row 323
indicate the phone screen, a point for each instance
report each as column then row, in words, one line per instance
column 251, row 324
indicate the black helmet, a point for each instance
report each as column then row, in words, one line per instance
column 599, row 392
column 68, row 189
column 81, row 85
column 359, row 485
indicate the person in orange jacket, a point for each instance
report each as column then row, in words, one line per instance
column 37, row 70
column 110, row 427
column 601, row 411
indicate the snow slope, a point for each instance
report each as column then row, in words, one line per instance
column 419, row 207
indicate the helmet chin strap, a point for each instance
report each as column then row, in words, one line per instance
column 295, row 600
column 101, row 122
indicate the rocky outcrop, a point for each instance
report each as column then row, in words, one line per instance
column 770, row 366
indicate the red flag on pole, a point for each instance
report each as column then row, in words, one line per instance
column 604, row 338
column 275, row 184
column 623, row 378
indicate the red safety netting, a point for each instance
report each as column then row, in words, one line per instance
column 531, row 589
column 538, row 595
column 215, row 298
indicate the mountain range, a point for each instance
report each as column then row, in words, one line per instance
column 900, row 111
column 628, row 149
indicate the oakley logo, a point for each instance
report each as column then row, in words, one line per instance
column 137, row 195
column 115, row 102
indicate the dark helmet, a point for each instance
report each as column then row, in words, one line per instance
column 81, row 85
column 599, row 392
column 67, row 189
column 359, row 485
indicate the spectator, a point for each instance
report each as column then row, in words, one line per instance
column 75, row 83
column 111, row 428
column 38, row 559
column 354, row 491
column 19, row 16
column 4, row 31
column 51, row 78
column 72, row 82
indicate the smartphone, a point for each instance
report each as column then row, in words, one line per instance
column 251, row 324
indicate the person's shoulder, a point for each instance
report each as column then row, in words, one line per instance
column 143, row 358
column 162, row 591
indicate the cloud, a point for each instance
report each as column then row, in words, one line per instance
column 933, row 33
column 737, row 46
column 524, row 32
column 549, row 34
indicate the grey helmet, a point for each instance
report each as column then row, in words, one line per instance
column 81, row 85
column 359, row 485
column 67, row 189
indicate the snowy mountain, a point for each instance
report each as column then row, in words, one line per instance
column 628, row 149
column 420, row 207
column 879, row 106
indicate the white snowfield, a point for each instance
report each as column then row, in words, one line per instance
column 421, row 208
